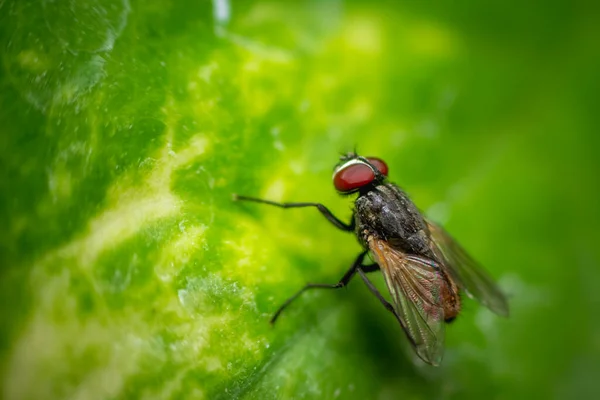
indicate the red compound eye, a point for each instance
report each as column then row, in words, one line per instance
column 352, row 177
column 379, row 164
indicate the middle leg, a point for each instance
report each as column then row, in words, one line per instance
column 357, row 265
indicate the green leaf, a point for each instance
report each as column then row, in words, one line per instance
column 129, row 272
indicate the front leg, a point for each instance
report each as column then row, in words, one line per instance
column 322, row 209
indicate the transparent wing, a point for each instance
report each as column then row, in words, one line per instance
column 466, row 272
column 416, row 288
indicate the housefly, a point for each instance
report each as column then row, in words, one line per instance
column 424, row 268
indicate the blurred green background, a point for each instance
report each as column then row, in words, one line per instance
column 125, row 126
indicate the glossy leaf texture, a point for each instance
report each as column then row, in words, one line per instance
column 125, row 127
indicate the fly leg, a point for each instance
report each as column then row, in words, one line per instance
column 383, row 301
column 322, row 209
column 375, row 291
column 357, row 265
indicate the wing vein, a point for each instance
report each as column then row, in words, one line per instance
column 415, row 285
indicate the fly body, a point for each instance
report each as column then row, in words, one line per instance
column 386, row 213
column 424, row 268
column 387, row 220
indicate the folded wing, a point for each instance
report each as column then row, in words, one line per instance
column 466, row 272
column 416, row 286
